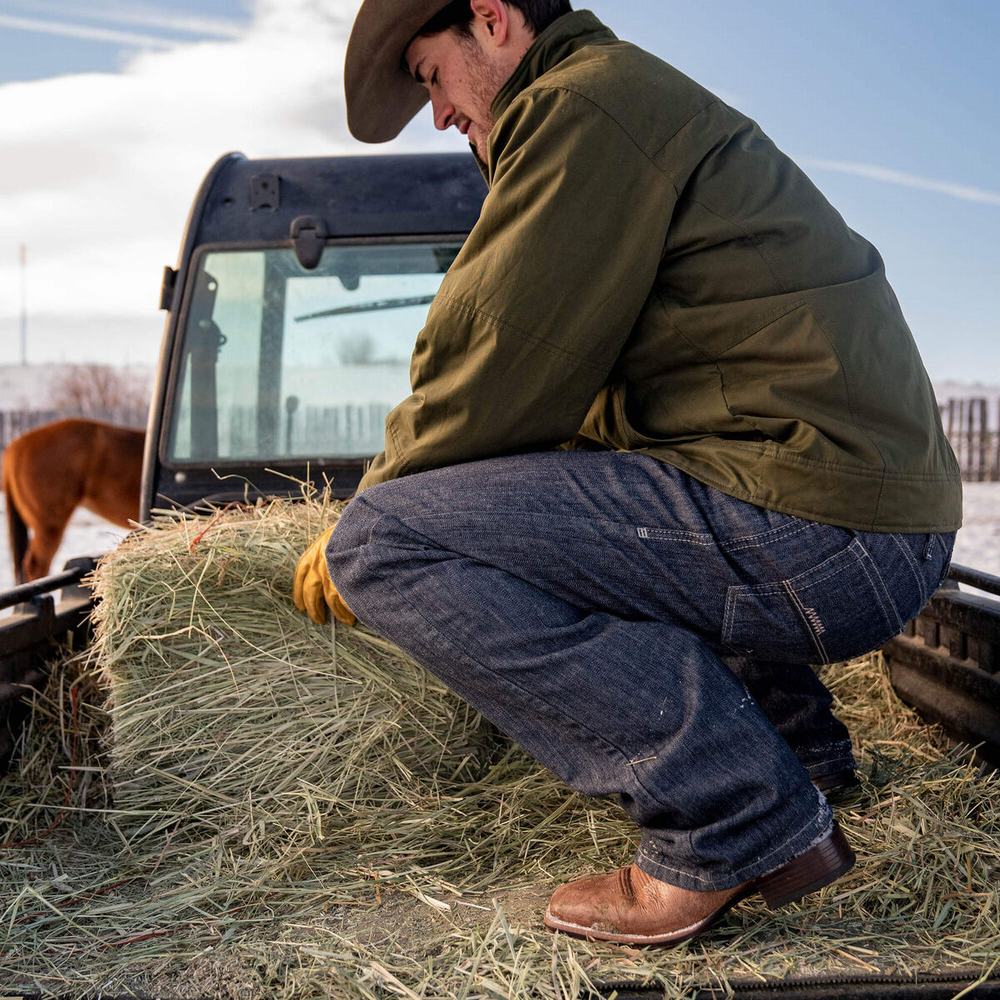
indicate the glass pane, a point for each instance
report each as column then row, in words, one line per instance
column 280, row 362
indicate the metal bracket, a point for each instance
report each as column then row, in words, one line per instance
column 167, row 289
column 309, row 235
column 265, row 193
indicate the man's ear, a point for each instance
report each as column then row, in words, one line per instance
column 492, row 17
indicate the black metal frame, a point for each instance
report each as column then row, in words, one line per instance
column 192, row 481
column 945, row 664
column 38, row 631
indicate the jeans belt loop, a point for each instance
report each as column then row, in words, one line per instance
column 929, row 548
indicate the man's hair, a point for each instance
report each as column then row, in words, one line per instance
column 537, row 14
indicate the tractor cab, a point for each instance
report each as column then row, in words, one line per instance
column 301, row 288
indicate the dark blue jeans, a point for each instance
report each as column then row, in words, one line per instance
column 641, row 634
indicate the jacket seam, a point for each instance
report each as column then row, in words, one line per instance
column 680, row 128
column 850, row 407
column 781, row 455
column 658, row 292
column 649, row 157
column 770, row 322
column 782, row 288
column 741, row 419
column 470, row 310
column 391, row 427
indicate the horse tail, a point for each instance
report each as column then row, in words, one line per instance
column 17, row 530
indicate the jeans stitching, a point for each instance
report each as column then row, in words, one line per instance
column 824, row 811
column 676, row 534
column 730, row 544
column 913, row 566
column 766, row 537
column 879, row 587
column 810, row 627
column 770, row 589
column 729, row 615
column 680, row 871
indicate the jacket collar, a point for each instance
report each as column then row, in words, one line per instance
column 557, row 42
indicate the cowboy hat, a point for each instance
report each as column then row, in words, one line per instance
column 381, row 96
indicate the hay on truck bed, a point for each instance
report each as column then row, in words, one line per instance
column 221, row 799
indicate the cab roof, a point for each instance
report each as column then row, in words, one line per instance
column 253, row 201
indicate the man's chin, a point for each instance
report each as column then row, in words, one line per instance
column 477, row 141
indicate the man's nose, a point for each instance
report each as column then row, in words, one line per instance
column 444, row 113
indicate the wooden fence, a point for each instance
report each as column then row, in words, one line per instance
column 14, row 423
column 973, row 428
column 349, row 430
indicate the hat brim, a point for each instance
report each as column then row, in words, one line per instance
column 382, row 97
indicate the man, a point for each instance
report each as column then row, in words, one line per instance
column 669, row 442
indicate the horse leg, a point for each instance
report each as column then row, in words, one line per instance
column 42, row 490
column 41, row 551
column 17, row 530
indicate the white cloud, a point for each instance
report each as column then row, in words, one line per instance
column 902, row 179
column 99, row 170
column 140, row 15
column 68, row 29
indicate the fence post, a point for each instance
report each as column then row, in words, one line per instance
column 967, row 435
column 983, row 459
column 996, row 446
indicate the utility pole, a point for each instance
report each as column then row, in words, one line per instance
column 24, row 304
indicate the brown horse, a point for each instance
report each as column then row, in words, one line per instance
column 52, row 470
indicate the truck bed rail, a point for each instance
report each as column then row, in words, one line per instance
column 33, row 635
column 945, row 663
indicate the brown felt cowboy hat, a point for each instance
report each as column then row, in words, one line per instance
column 381, row 96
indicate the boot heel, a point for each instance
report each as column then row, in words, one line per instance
column 819, row 866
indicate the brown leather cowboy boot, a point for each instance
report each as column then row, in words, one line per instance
column 630, row 907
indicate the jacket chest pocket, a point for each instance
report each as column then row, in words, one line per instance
column 839, row 609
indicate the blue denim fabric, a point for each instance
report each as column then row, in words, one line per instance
column 598, row 607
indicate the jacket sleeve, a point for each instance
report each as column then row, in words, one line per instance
column 536, row 308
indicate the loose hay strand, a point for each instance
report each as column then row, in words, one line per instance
column 255, row 806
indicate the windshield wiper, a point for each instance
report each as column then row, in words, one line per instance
column 364, row 307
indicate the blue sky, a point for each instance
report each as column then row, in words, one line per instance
column 891, row 107
column 62, row 36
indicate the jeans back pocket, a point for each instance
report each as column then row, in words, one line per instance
column 838, row 609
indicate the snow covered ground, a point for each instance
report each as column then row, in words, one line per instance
column 977, row 545
column 86, row 535
column 978, row 541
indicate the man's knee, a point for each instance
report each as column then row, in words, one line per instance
column 345, row 552
column 367, row 540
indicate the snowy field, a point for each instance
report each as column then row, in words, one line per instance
column 86, row 535
column 978, row 543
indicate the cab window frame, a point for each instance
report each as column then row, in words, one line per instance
column 175, row 375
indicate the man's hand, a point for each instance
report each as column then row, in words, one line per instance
column 314, row 591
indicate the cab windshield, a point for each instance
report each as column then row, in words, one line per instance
column 283, row 363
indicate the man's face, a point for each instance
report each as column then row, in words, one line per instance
column 462, row 81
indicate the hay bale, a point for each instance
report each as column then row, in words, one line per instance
column 232, row 714
column 303, row 812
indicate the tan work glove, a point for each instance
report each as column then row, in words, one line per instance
column 314, row 591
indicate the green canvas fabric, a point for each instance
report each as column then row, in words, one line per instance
column 650, row 273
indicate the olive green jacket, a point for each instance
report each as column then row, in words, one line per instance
column 650, row 273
